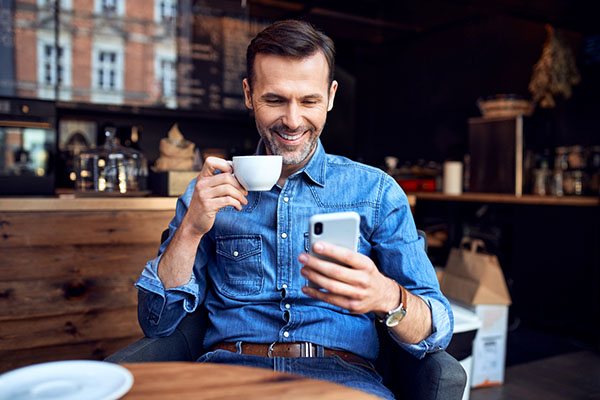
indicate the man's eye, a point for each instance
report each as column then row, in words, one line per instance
column 310, row 102
column 273, row 101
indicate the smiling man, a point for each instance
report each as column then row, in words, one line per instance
column 242, row 256
column 290, row 98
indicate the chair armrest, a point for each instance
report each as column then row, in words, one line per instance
column 437, row 376
column 184, row 344
column 169, row 348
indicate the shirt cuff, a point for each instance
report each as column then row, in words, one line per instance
column 162, row 298
column 442, row 328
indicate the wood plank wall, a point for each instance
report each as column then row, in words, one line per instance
column 66, row 282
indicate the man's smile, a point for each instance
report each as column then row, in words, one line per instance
column 290, row 136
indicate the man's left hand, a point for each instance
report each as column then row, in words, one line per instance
column 356, row 285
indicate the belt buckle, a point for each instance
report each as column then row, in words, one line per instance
column 306, row 349
column 270, row 350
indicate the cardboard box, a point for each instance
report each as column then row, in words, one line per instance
column 489, row 346
column 475, row 281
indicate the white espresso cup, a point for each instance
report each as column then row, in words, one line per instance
column 257, row 173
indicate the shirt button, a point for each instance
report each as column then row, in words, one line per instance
column 284, row 286
column 286, row 199
column 284, row 235
column 286, row 334
column 235, row 254
column 287, row 306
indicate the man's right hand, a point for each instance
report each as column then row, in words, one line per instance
column 211, row 193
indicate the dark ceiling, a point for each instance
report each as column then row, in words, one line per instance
column 383, row 20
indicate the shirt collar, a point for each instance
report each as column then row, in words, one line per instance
column 314, row 170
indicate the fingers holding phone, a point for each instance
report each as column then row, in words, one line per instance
column 336, row 272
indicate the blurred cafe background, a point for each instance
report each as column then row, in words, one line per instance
column 487, row 114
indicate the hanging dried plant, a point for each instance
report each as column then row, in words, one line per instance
column 555, row 72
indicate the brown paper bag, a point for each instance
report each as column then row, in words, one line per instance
column 474, row 277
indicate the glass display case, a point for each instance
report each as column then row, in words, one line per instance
column 111, row 169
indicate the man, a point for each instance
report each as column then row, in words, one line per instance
column 243, row 255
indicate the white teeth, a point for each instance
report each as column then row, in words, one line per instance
column 288, row 137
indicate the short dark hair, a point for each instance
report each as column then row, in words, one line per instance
column 290, row 38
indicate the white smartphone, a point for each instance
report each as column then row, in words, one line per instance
column 341, row 229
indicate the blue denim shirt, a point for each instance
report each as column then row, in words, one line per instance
column 247, row 273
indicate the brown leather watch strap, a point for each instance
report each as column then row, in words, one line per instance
column 401, row 303
column 403, row 296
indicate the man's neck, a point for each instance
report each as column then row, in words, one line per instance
column 288, row 170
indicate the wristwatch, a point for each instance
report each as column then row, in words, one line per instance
column 393, row 317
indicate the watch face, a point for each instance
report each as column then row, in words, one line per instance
column 396, row 317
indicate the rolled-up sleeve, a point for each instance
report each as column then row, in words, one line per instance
column 402, row 257
column 442, row 327
column 160, row 310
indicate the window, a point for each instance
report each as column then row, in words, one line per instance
column 107, row 72
column 64, row 4
column 53, row 68
column 110, row 7
column 165, row 10
column 167, row 77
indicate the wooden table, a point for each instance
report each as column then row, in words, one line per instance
column 191, row 380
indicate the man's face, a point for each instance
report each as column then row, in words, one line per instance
column 290, row 99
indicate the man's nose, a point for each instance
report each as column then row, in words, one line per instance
column 292, row 117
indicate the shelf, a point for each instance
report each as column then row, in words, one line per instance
column 87, row 204
column 582, row 201
column 153, row 112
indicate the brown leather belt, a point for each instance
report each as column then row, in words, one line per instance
column 297, row 349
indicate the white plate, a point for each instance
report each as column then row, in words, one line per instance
column 66, row 380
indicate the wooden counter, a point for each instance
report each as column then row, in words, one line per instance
column 67, row 268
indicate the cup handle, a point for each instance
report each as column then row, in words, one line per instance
column 231, row 165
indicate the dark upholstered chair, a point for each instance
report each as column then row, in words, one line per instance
column 437, row 376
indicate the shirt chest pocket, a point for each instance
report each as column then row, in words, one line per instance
column 239, row 265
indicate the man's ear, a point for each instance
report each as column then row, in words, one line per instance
column 332, row 90
column 247, row 94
